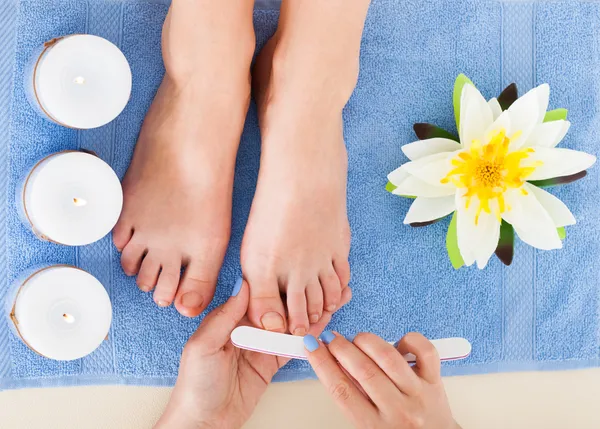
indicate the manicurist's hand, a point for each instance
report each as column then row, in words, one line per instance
column 219, row 385
column 375, row 386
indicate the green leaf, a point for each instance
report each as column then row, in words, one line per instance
column 459, row 84
column 506, row 244
column 562, row 180
column 452, row 245
column 390, row 187
column 508, row 96
column 428, row 131
column 556, row 115
column 562, row 232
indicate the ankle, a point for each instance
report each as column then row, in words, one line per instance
column 312, row 80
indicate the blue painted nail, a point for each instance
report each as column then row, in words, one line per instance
column 237, row 288
column 396, row 344
column 311, row 343
column 327, row 337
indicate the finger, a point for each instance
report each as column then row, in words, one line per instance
column 215, row 330
column 428, row 365
column 367, row 373
column 390, row 361
column 343, row 391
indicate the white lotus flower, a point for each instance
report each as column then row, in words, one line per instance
column 484, row 177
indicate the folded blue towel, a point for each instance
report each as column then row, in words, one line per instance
column 540, row 313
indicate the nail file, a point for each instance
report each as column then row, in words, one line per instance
column 290, row 346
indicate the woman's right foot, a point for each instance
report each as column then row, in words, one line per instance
column 178, row 188
column 297, row 239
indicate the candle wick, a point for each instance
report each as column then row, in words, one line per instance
column 79, row 80
column 79, row 202
column 68, row 318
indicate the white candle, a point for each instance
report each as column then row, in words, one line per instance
column 71, row 198
column 79, row 81
column 61, row 312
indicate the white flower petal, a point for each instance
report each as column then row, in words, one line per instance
column 476, row 241
column 416, row 187
column 427, row 209
column 558, row 211
column 557, row 162
column 548, row 134
column 530, row 220
column 475, row 116
column 502, row 123
column 527, row 112
column 490, row 235
column 496, row 108
column 398, row 175
column 431, row 169
column 423, row 148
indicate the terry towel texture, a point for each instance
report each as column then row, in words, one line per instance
column 540, row 313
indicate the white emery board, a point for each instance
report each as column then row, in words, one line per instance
column 290, row 346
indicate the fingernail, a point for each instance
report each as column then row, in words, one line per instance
column 162, row 303
column 300, row 332
column 396, row 344
column 191, row 300
column 311, row 343
column 314, row 318
column 351, row 338
column 327, row 337
column 237, row 287
column 272, row 321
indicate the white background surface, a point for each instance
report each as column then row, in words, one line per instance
column 545, row 400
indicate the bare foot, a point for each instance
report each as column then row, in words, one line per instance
column 298, row 238
column 178, row 187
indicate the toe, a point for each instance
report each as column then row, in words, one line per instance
column 166, row 287
column 342, row 268
column 122, row 233
column 132, row 255
column 148, row 275
column 196, row 289
column 332, row 290
column 265, row 309
column 314, row 301
column 297, row 309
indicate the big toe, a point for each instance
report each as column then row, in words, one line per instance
column 196, row 289
column 122, row 233
column 265, row 308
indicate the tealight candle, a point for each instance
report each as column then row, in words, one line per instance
column 79, row 81
column 61, row 312
column 71, row 198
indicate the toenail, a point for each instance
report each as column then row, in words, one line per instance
column 162, row 303
column 332, row 307
column 314, row 318
column 300, row 332
column 145, row 288
column 327, row 337
column 272, row 321
column 191, row 300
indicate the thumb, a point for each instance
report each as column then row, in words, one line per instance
column 214, row 331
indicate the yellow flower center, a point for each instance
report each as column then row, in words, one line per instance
column 488, row 171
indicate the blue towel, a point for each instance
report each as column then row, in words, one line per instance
column 540, row 313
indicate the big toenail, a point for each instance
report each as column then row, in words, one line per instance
column 314, row 318
column 191, row 300
column 300, row 332
column 161, row 303
column 272, row 321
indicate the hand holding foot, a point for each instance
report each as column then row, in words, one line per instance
column 219, row 385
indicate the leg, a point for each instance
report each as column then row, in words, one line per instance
column 298, row 238
column 178, row 187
